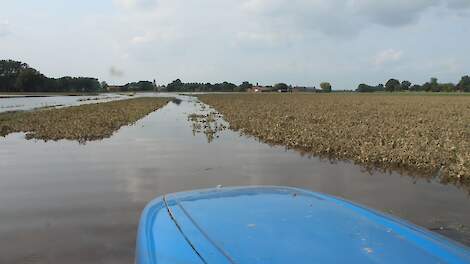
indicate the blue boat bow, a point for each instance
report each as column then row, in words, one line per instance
column 281, row 225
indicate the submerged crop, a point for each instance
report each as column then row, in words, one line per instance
column 429, row 134
column 82, row 123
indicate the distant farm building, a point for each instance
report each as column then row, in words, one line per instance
column 295, row 89
column 260, row 89
column 115, row 88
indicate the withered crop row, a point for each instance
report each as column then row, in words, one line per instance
column 82, row 123
column 430, row 134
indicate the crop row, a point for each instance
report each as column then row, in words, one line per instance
column 430, row 134
column 82, row 123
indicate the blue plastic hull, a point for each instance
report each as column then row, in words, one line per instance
column 281, row 225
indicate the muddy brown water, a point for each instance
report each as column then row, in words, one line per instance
column 64, row 202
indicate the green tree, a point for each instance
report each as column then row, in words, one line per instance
column 447, row 87
column 392, row 85
column 464, row 84
column 9, row 72
column 364, row 88
column 104, row 86
column 416, row 88
column 30, row 80
column 326, row 87
column 282, row 87
column 140, row 86
column 175, row 86
column 434, row 85
column 426, row 87
column 208, row 87
column 16, row 76
column 227, row 87
column 11, row 67
column 380, row 87
column 245, row 86
column 405, row 85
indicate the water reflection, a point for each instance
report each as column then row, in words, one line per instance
column 91, row 196
column 177, row 101
column 208, row 122
column 12, row 103
column 205, row 120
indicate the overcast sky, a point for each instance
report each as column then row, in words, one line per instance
column 301, row 42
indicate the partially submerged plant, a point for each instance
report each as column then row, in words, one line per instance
column 210, row 124
column 82, row 123
column 430, row 134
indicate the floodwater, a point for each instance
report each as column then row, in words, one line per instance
column 65, row 202
column 14, row 103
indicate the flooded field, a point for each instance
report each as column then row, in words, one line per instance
column 429, row 134
column 20, row 103
column 82, row 123
column 65, row 202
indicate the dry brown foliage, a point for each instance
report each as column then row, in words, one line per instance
column 430, row 134
column 82, row 123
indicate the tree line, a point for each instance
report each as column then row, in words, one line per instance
column 139, row 86
column 178, row 86
column 17, row 76
column 394, row 85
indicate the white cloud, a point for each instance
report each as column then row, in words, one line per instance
column 298, row 41
column 387, row 56
column 141, row 39
column 260, row 39
column 263, row 6
column 157, row 35
column 458, row 4
column 344, row 17
column 4, row 28
column 133, row 4
column 450, row 65
column 329, row 17
column 391, row 12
